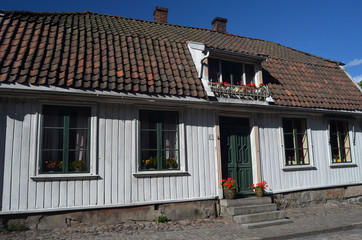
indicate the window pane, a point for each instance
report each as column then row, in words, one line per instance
column 287, row 126
column 148, row 120
column 231, row 72
column 300, row 125
column 148, row 140
column 53, row 116
column 170, row 121
column 52, row 161
column 53, row 139
column 78, row 139
column 79, row 117
column 148, row 159
column 214, row 72
column 78, row 161
column 170, row 160
column 249, row 72
column 289, row 140
column 169, row 140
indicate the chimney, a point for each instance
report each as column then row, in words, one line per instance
column 219, row 24
column 160, row 15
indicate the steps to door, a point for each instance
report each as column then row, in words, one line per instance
column 253, row 212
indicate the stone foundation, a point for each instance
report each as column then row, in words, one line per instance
column 148, row 213
column 350, row 194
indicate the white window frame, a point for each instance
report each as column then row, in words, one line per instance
column 351, row 135
column 182, row 145
column 92, row 174
column 283, row 161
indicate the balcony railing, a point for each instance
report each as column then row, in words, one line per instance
column 249, row 92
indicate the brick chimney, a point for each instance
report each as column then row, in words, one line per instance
column 160, row 15
column 219, row 24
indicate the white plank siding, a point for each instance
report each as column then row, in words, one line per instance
column 116, row 158
column 272, row 157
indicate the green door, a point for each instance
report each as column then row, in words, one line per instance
column 236, row 153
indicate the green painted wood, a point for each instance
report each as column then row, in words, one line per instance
column 236, row 156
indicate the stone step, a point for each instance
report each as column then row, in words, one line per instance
column 258, row 217
column 245, row 201
column 249, row 209
column 266, row 223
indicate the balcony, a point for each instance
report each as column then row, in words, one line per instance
column 248, row 92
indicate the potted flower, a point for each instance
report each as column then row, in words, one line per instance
column 150, row 163
column 259, row 188
column 229, row 187
column 51, row 165
column 171, row 163
column 77, row 165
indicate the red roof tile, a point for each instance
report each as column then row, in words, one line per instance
column 89, row 50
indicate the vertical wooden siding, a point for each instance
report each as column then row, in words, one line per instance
column 272, row 161
column 116, row 158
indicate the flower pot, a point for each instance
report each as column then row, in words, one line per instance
column 259, row 192
column 229, row 193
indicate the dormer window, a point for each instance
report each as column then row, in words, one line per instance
column 230, row 72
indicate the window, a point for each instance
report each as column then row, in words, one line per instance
column 231, row 72
column 159, row 141
column 295, row 142
column 339, row 140
column 65, row 139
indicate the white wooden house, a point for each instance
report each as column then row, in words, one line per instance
column 100, row 111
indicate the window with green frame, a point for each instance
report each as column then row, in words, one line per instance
column 159, row 141
column 295, row 142
column 65, row 139
column 339, row 141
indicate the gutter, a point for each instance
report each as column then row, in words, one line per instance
column 170, row 100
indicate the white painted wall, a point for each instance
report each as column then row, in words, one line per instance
column 272, row 157
column 116, row 157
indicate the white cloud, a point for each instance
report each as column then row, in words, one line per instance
column 354, row 63
column 358, row 78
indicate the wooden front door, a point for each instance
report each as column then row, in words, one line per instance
column 236, row 153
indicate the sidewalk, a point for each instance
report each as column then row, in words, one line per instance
column 306, row 222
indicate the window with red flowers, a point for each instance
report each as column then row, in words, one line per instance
column 233, row 73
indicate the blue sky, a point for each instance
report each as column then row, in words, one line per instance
column 330, row 29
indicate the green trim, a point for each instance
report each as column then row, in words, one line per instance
column 66, row 113
column 159, row 116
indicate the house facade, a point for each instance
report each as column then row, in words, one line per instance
column 100, row 112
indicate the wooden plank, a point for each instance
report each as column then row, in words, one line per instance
column 70, row 194
column 141, row 194
column 108, row 157
column 132, row 159
column 166, row 187
column 154, row 190
column 93, row 185
column 160, row 189
column 115, row 160
column 24, row 171
column 55, row 194
column 63, row 193
column 101, row 156
column 195, row 153
column 40, row 195
column 8, row 156
column 3, row 116
column 86, row 193
column 78, row 193
column 121, row 154
column 15, row 170
column 33, row 163
column 147, row 189
column 190, row 147
column 47, row 195
column 128, row 157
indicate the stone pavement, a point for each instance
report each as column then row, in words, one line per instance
column 308, row 221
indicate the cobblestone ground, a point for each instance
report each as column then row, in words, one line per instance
column 349, row 234
column 315, row 219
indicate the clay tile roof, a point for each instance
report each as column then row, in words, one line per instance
column 95, row 51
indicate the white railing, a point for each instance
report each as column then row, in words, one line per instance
column 242, row 92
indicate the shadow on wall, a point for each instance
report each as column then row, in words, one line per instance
column 2, row 147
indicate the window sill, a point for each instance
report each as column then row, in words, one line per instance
column 57, row 177
column 160, row 174
column 299, row 168
column 342, row 165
